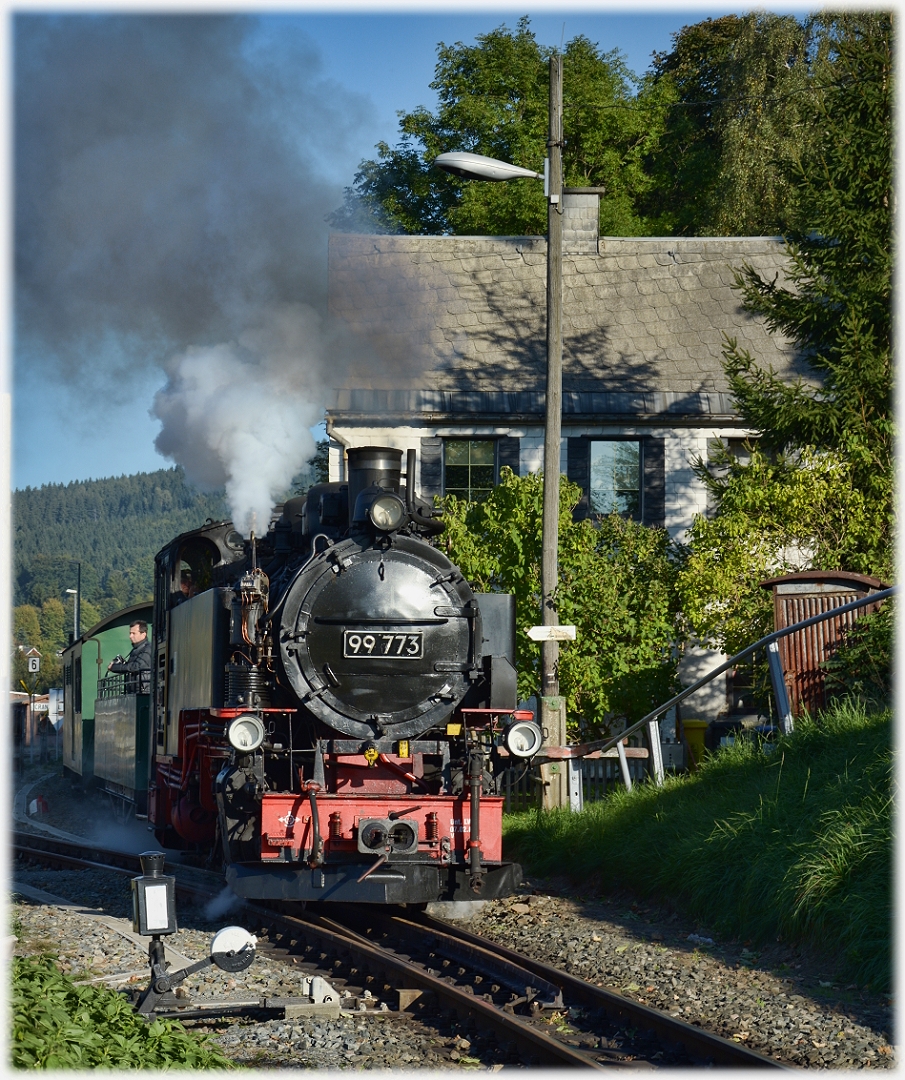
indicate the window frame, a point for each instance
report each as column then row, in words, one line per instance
column 635, row 440
column 445, row 441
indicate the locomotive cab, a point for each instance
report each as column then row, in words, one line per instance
column 335, row 706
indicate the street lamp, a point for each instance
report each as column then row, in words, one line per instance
column 478, row 167
column 77, row 603
column 75, row 614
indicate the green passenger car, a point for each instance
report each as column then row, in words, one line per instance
column 106, row 738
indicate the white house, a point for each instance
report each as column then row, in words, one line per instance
column 452, row 339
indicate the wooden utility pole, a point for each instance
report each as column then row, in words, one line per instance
column 553, row 712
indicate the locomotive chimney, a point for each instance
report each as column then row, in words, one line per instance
column 373, row 465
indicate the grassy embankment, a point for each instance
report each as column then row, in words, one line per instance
column 795, row 842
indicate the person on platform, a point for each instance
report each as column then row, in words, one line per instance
column 137, row 665
column 45, row 727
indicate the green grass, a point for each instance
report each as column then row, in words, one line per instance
column 795, row 842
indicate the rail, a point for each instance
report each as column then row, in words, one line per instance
column 124, row 684
column 565, row 753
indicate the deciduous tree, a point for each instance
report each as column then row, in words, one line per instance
column 837, row 305
column 741, row 89
column 822, row 482
column 493, row 100
column 616, row 585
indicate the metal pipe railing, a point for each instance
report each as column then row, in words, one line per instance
column 564, row 753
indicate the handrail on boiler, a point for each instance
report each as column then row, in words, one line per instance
column 564, row 753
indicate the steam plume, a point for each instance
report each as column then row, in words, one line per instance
column 247, row 401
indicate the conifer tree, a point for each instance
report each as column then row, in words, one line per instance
column 817, row 491
column 837, row 304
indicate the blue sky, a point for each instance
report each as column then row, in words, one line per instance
column 360, row 67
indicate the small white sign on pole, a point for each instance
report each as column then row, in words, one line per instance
column 552, row 633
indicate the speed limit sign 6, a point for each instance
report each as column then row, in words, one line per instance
column 34, row 664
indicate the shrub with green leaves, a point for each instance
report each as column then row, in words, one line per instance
column 776, row 514
column 862, row 666
column 58, row 1025
column 616, row 586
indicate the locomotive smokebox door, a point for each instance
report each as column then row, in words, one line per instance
column 380, row 640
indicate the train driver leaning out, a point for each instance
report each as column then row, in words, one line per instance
column 137, row 665
column 186, row 586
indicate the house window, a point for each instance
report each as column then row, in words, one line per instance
column 469, row 468
column 615, row 486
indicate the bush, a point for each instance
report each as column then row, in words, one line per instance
column 862, row 666
column 616, row 585
column 58, row 1025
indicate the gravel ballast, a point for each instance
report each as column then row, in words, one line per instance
column 779, row 1000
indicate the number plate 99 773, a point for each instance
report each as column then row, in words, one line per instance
column 383, row 644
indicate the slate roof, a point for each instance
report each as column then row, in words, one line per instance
column 447, row 326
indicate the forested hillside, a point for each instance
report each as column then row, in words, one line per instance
column 113, row 527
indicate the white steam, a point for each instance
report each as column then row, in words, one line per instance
column 223, row 903
column 238, row 413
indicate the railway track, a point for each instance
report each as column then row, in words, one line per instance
column 572, row 1021
column 401, row 961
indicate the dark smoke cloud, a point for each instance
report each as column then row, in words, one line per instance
column 171, row 182
column 164, row 178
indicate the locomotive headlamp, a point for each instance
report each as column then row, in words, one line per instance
column 245, row 733
column 523, row 738
column 387, row 512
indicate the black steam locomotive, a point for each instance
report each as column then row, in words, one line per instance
column 333, row 707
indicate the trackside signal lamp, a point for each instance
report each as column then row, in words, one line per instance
column 153, row 897
column 154, row 915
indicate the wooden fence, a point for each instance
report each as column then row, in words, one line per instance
column 523, row 789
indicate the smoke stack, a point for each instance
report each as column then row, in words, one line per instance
column 373, row 465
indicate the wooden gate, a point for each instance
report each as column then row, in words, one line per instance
column 800, row 596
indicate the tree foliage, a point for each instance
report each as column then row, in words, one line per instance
column 862, row 668
column 493, row 100
column 616, row 586
column 837, row 306
column 743, row 90
column 774, row 516
column 822, row 484
column 704, row 143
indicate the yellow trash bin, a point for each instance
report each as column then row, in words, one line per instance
column 694, row 730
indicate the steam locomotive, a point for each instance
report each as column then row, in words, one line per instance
column 332, row 706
